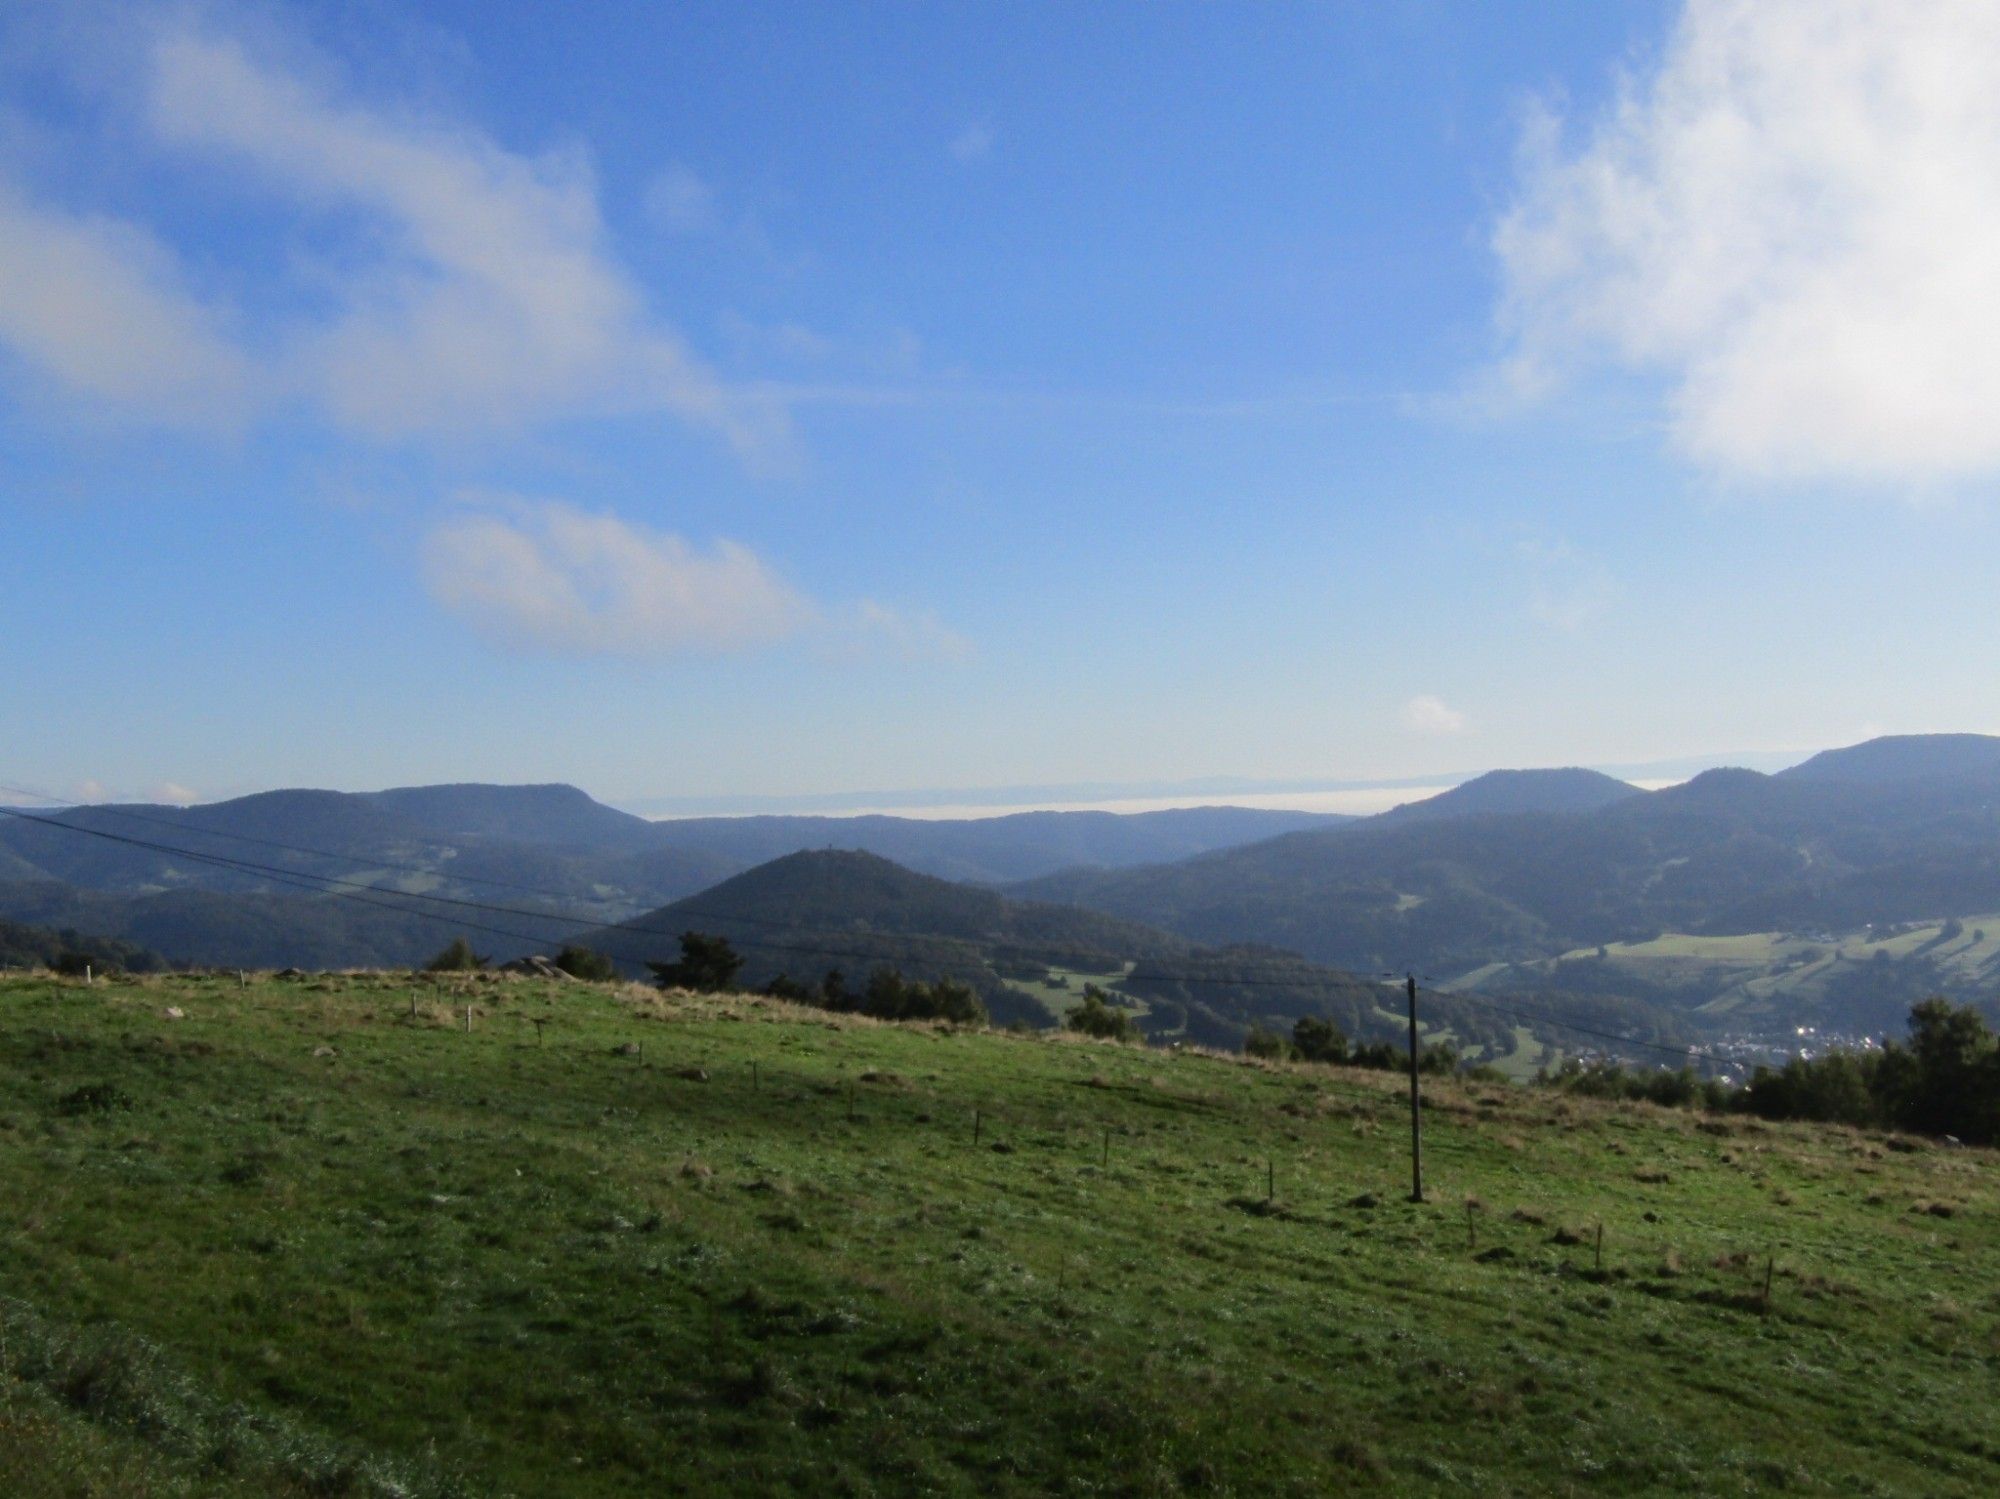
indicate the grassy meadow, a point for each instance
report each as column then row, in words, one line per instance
column 1772, row 977
column 315, row 1237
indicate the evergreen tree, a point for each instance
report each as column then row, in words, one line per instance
column 708, row 965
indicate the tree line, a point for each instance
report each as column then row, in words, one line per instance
column 1944, row 1080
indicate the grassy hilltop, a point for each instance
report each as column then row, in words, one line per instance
column 302, row 1240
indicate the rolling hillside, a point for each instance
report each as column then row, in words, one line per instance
column 806, row 913
column 530, row 834
column 1501, row 792
column 1730, row 851
column 315, row 1239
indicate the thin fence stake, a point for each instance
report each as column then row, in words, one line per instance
column 1471, row 1229
column 1270, row 1180
column 468, row 1020
column 1106, row 1161
column 975, row 1126
column 1600, row 1246
column 1770, row 1267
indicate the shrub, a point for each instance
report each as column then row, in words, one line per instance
column 1318, row 1040
column 586, row 963
column 1094, row 1017
column 1269, row 1045
column 457, row 958
column 708, row 965
column 890, row 996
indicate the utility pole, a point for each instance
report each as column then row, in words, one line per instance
column 1416, row 1104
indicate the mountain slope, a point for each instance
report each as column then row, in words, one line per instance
column 1731, row 850
column 552, row 814
column 1903, row 757
column 834, row 908
column 1501, row 792
column 247, row 929
column 996, row 850
column 557, row 840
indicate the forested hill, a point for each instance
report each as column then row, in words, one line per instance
column 805, row 913
column 556, row 841
column 1826, row 845
column 996, row 850
column 24, row 946
column 1903, row 757
column 1513, row 791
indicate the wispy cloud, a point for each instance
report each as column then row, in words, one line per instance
column 474, row 289
column 973, row 143
column 870, row 628
column 101, row 307
column 1567, row 588
column 495, row 301
column 1425, row 714
column 1793, row 216
column 551, row 577
column 546, row 576
column 679, row 201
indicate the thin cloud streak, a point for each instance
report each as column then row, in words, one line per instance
column 547, row 577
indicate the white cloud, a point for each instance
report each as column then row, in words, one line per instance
column 474, row 287
column 788, row 343
column 974, row 143
column 918, row 636
column 173, row 794
column 1794, row 218
column 547, row 576
column 495, row 302
column 680, row 202
column 1425, row 714
column 1567, row 589
column 101, row 307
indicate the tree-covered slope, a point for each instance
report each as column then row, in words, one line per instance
column 1728, row 851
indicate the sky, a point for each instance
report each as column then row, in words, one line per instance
column 751, row 404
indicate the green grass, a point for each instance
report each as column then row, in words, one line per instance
column 299, row 1242
column 1774, row 974
column 1061, row 998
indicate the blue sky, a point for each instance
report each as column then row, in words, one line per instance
column 716, row 403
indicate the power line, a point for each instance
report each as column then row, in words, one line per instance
column 333, row 885
column 294, row 877
column 368, row 894
column 126, row 814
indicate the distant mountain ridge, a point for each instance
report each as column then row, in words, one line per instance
column 138, row 869
column 1511, row 867
column 1902, row 757
column 853, row 892
column 1882, row 833
column 1511, row 792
